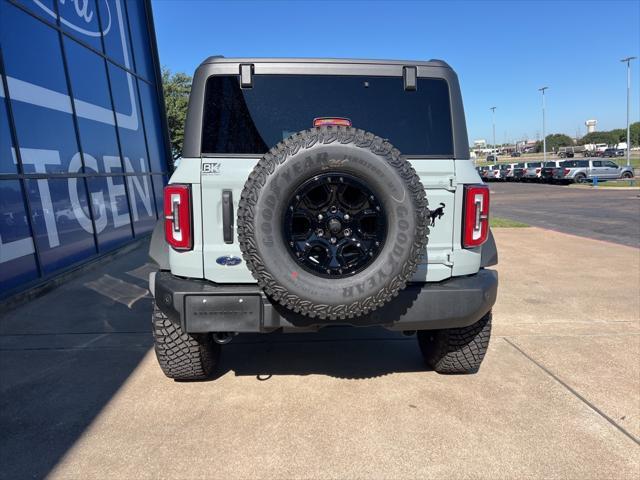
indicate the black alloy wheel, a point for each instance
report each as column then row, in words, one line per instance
column 335, row 225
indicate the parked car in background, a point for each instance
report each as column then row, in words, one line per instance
column 492, row 158
column 613, row 152
column 491, row 172
column 570, row 152
column 594, row 149
column 516, row 154
column 581, row 171
column 506, row 169
column 550, row 170
column 518, row 171
column 532, row 171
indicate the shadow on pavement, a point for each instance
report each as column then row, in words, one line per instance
column 341, row 352
column 63, row 356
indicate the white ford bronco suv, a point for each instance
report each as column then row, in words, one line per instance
column 320, row 192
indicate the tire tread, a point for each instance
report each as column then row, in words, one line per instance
column 456, row 350
column 182, row 356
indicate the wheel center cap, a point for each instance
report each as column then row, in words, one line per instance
column 334, row 225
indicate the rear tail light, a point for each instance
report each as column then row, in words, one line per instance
column 177, row 217
column 476, row 216
column 566, row 171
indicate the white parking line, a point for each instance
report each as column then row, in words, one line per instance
column 117, row 290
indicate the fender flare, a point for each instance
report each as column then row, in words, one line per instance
column 158, row 247
column 489, row 255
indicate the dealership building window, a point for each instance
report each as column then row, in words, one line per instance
column 83, row 142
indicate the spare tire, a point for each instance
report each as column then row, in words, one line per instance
column 332, row 221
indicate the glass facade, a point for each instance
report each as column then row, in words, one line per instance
column 83, row 144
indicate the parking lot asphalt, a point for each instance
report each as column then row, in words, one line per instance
column 558, row 396
column 605, row 214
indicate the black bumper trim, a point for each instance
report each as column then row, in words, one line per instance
column 203, row 306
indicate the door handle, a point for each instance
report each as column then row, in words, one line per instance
column 227, row 216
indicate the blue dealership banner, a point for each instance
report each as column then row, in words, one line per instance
column 82, row 151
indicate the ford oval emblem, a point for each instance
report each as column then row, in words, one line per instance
column 229, row 261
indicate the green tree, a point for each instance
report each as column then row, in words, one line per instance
column 177, row 87
column 554, row 141
column 557, row 140
column 614, row 136
column 599, row 137
column 620, row 134
column 538, row 146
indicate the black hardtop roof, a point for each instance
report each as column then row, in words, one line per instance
column 422, row 63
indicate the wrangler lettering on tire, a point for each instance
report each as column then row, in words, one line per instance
column 331, row 222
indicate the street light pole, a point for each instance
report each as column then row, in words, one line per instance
column 628, row 62
column 493, row 121
column 544, row 134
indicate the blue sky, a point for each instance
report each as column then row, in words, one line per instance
column 502, row 51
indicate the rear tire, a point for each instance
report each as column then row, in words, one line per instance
column 183, row 356
column 627, row 175
column 580, row 178
column 456, row 350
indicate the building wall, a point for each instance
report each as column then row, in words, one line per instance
column 83, row 145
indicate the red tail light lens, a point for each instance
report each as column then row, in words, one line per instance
column 338, row 121
column 566, row 171
column 476, row 216
column 177, row 216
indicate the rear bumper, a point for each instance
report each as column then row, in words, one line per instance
column 202, row 306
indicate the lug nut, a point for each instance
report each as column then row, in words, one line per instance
column 320, row 232
column 347, row 217
column 347, row 232
column 333, row 240
column 333, row 209
column 320, row 217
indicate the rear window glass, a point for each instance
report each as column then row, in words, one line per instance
column 252, row 120
column 535, row 164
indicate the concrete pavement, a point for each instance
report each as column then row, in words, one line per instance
column 557, row 397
